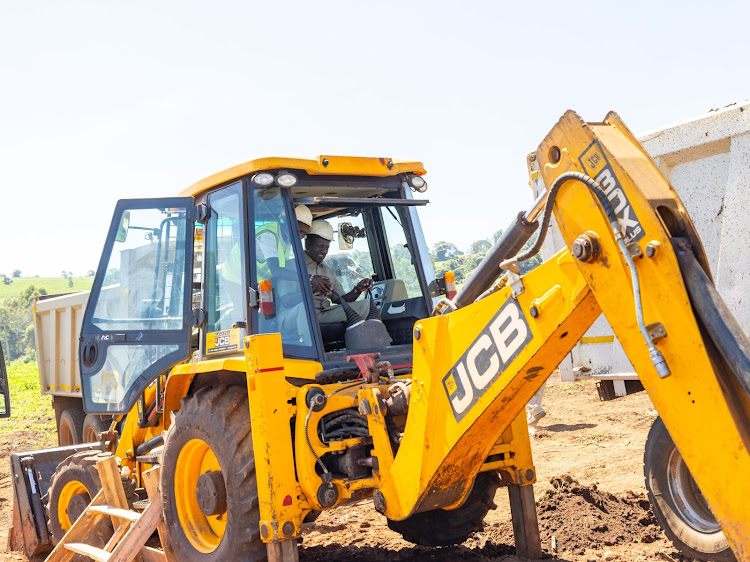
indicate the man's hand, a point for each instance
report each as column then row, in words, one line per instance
column 321, row 285
column 364, row 285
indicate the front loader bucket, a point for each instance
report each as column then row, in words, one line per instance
column 31, row 473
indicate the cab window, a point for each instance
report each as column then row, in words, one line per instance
column 401, row 254
column 351, row 266
column 276, row 260
column 225, row 278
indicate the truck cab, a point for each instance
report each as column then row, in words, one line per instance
column 187, row 277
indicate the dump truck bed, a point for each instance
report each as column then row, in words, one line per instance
column 57, row 324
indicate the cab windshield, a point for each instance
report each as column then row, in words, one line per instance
column 372, row 262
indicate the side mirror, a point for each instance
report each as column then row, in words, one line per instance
column 122, row 229
column 4, row 390
column 346, row 236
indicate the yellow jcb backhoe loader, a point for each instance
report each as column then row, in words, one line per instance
column 262, row 411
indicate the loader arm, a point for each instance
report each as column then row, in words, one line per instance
column 476, row 367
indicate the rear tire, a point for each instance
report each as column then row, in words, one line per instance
column 678, row 504
column 70, row 427
column 211, row 433
column 443, row 527
column 92, row 427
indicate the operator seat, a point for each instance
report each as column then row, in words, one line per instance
column 333, row 335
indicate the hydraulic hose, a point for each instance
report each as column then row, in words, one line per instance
column 657, row 359
column 547, row 214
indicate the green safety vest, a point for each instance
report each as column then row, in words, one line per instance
column 231, row 269
column 282, row 250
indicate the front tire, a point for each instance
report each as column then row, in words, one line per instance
column 211, row 436
column 678, row 504
column 72, row 487
column 443, row 527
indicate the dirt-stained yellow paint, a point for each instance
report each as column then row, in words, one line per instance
column 701, row 418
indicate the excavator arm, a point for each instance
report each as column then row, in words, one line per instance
column 476, row 367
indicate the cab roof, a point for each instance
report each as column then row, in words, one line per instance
column 322, row 165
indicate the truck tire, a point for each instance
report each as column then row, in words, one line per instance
column 92, row 427
column 70, row 427
column 210, row 440
column 678, row 504
column 72, row 486
column 444, row 527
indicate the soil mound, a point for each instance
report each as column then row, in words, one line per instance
column 581, row 517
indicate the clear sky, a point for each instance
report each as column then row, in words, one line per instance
column 101, row 101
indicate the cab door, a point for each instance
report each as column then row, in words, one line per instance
column 4, row 389
column 138, row 319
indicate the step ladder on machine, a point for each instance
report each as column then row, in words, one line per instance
column 132, row 529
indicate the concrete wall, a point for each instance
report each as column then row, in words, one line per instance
column 707, row 160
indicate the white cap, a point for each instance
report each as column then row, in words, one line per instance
column 303, row 214
column 322, row 228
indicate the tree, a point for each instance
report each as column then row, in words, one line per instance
column 534, row 261
column 69, row 276
column 16, row 273
column 445, row 251
column 16, row 327
column 27, row 297
column 480, row 247
column 90, row 273
column 6, row 280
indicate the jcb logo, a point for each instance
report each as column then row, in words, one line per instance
column 493, row 350
column 596, row 165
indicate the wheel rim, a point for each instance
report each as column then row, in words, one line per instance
column 70, row 489
column 90, row 436
column 687, row 497
column 66, row 436
column 203, row 532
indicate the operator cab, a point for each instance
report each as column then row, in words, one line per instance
column 373, row 240
column 193, row 275
column 376, row 236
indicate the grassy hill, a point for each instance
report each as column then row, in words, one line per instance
column 53, row 285
column 32, row 421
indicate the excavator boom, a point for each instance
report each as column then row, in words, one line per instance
column 476, row 367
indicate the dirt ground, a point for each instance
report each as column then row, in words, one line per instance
column 591, row 500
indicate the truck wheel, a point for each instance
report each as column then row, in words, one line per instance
column 443, row 527
column 209, row 447
column 70, row 427
column 71, row 488
column 677, row 502
column 92, row 427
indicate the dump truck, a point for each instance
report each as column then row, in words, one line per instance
column 265, row 391
column 57, row 325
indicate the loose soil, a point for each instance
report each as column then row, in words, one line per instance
column 591, row 500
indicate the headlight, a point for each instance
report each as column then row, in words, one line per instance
column 262, row 180
column 418, row 184
column 285, row 179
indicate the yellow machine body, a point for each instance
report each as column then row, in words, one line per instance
column 473, row 369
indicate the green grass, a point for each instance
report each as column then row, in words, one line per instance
column 53, row 285
column 32, row 421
